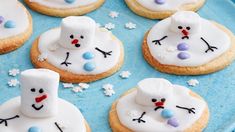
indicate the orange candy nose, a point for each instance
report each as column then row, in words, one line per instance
column 41, row 98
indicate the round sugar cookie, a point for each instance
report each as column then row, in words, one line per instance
column 159, row 9
column 158, row 105
column 64, row 8
column 15, row 30
column 39, row 109
column 78, row 50
column 186, row 44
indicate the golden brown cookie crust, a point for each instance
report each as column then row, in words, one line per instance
column 88, row 129
column 144, row 12
column 14, row 42
column 67, row 76
column 116, row 125
column 58, row 12
column 215, row 65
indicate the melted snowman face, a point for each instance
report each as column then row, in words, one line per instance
column 153, row 92
column 185, row 23
column 185, row 31
column 159, row 102
column 76, row 41
column 77, row 32
column 40, row 97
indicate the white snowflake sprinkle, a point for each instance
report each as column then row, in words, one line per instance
column 68, row 85
column 77, row 89
column 107, row 86
column 125, row 74
column 108, row 89
column 109, row 26
column 13, row 83
column 109, row 92
column 13, row 72
column 84, row 85
column 132, row 113
column 113, row 14
column 42, row 57
column 130, row 25
column 170, row 49
column 193, row 82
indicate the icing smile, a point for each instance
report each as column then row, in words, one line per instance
column 37, row 108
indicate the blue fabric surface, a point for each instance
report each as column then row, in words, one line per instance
column 218, row 89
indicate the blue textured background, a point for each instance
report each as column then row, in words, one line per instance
column 218, row 89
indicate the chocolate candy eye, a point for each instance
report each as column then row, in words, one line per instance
column 82, row 37
column 154, row 100
column 163, row 100
column 33, row 89
column 71, row 36
column 180, row 27
column 188, row 28
column 41, row 90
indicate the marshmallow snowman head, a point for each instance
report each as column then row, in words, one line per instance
column 39, row 93
column 153, row 92
column 186, row 23
column 77, row 32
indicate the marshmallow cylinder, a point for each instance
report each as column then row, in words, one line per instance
column 77, row 32
column 39, row 93
column 153, row 88
column 186, row 19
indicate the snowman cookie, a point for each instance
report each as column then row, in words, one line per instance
column 159, row 9
column 79, row 50
column 39, row 109
column 156, row 105
column 63, row 8
column 186, row 44
column 14, row 29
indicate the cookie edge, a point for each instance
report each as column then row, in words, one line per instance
column 12, row 43
column 144, row 12
column 59, row 12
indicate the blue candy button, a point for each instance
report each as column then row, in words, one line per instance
column 10, row 24
column 69, row 1
column 89, row 66
column 88, row 55
column 166, row 113
column 34, row 129
column 159, row 1
column 183, row 55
